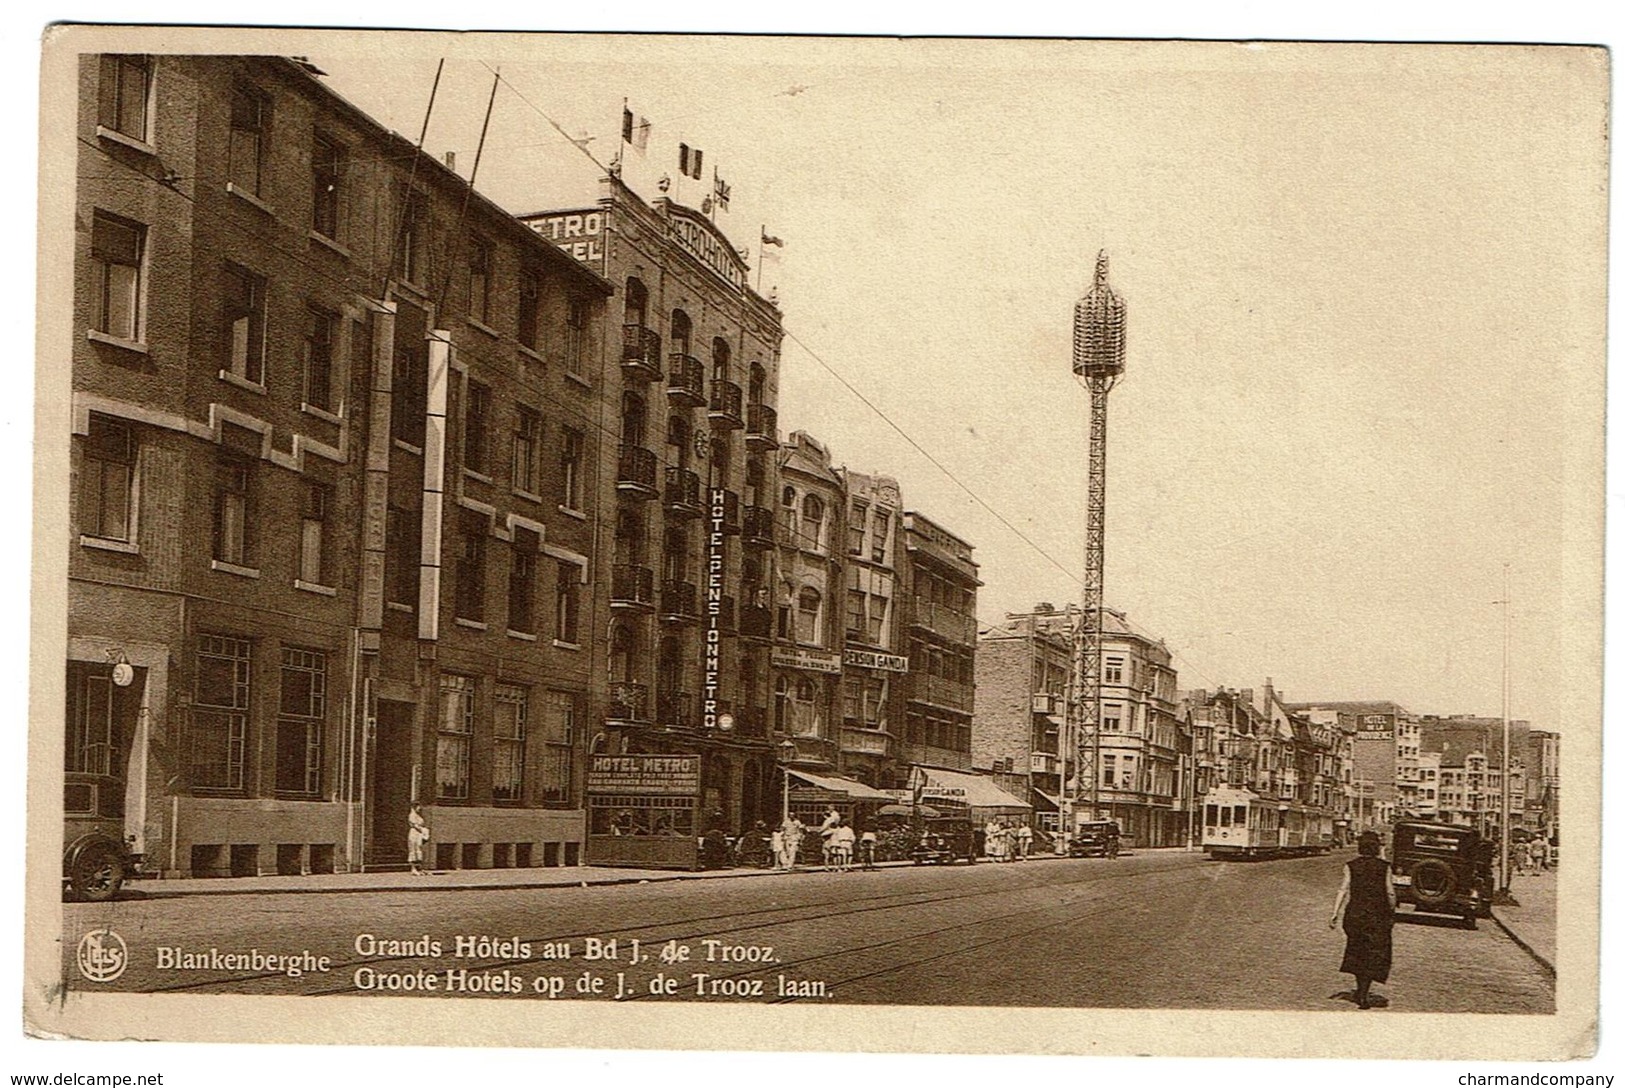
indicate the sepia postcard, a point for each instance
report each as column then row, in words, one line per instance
column 571, row 540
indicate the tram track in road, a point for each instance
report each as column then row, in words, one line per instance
column 732, row 922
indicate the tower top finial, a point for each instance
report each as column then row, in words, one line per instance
column 1102, row 266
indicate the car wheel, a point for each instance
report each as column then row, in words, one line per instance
column 1432, row 882
column 97, row 874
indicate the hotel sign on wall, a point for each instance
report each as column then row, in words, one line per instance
column 810, row 660
column 644, row 774
column 696, row 235
column 580, row 234
column 869, row 659
column 1376, row 727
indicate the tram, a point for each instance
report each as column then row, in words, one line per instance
column 1237, row 823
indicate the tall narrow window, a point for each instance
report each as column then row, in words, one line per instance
column 809, row 606
column 411, row 394
column 857, row 523
column 245, row 325
column 313, row 534
column 454, row 737
column 470, row 592
column 479, row 280
column 401, row 557
column 411, row 236
column 508, row 743
column 126, row 83
column 476, row 428
column 530, row 309
column 575, row 342
column 245, row 148
column 522, row 582
column 90, row 721
column 326, row 176
column 567, row 618
column 234, row 511
column 812, row 523
column 558, row 735
column 301, row 721
column 320, row 329
column 107, row 480
column 116, row 247
column 570, row 469
column 721, row 359
column 879, row 535
column 527, row 439
column 220, row 704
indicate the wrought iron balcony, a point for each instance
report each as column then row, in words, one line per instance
column 635, row 472
column 683, row 496
column 761, row 427
column 640, row 353
column 676, row 710
column 631, row 587
column 725, row 614
column 731, row 523
column 759, row 526
column 727, row 405
column 755, row 621
column 677, row 602
column 628, row 703
column 685, row 380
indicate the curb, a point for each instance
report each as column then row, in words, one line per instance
column 137, row 892
column 1545, row 964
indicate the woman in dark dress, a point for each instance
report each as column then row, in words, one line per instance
column 1365, row 904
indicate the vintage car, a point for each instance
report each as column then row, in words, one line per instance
column 946, row 839
column 1095, row 839
column 1443, row 869
column 96, row 857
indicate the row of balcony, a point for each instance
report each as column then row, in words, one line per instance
column 948, row 622
column 630, row 703
column 684, row 376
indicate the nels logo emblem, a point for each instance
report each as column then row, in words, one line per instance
column 102, row 956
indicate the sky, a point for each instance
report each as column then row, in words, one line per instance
column 1357, row 381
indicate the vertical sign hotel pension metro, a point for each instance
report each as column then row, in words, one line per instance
column 716, row 511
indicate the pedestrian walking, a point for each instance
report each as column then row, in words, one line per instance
column 1541, row 852
column 994, row 843
column 1365, row 906
column 827, row 829
column 866, row 847
column 417, row 837
column 1520, row 857
column 794, row 832
column 1024, row 841
column 841, row 840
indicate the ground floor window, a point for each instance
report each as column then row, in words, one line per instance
column 219, row 722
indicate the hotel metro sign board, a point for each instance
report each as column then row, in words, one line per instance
column 644, row 774
column 580, row 233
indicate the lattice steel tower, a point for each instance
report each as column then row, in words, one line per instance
column 1099, row 323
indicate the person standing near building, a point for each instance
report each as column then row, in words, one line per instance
column 1024, row 841
column 417, row 837
column 1365, row 905
column 794, row 832
column 866, row 847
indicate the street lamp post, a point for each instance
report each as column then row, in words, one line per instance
column 787, row 752
column 1506, row 724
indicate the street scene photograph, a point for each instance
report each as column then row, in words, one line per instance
column 861, row 528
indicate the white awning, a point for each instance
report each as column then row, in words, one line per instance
column 978, row 791
column 857, row 791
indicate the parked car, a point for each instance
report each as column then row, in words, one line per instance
column 947, row 839
column 1095, row 839
column 1443, row 869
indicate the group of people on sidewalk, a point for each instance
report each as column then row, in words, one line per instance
column 840, row 843
column 1007, row 841
column 1531, row 857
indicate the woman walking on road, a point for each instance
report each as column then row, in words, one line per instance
column 1365, row 904
column 417, row 836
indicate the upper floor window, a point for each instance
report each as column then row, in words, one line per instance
column 857, row 522
column 530, row 309
column 245, row 147
column 126, row 90
column 880, row 536
column 527, row 439
column 1112, row 673
column 477, row 428
column 809, row 614
column 575, row 342
column 107, row 480
column 522, row 582
column 812, row 521
column 637, row 302
column 469, row 600
column 758, row 383
column 116, row 251
column 326, row 177
column 320, row 327
column 721, row 357
column 567, row 615
column 245, row 325
column 234, row 511
column 411, row 237
column 571, row 468
column 313, row 533
column 682, row 330
column 479, row 280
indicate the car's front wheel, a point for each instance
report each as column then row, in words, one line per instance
column 97, row 873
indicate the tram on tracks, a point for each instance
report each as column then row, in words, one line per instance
column 1237, row 823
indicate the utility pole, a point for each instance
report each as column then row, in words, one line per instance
column 1099, row 324
column 1506, row 724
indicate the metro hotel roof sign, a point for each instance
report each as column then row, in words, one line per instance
column 580, row 234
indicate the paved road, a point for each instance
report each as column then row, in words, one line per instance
column 1160, row 930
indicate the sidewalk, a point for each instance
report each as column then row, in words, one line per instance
column 1533, row 922
column 584, row 876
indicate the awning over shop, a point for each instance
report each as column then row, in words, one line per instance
column 1049, row 802
column 856, row 791
column 977, row 791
